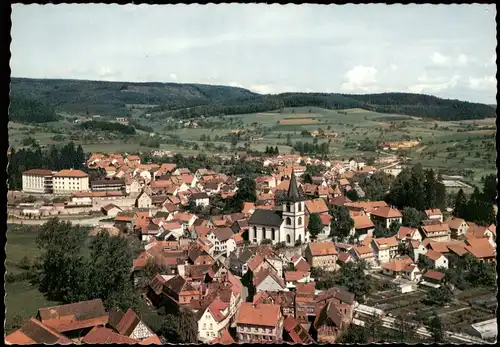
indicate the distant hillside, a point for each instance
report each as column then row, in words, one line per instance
column 191, row 100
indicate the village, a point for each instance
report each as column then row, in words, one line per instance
column 275, row 269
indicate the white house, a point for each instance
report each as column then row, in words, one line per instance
column 69, row 181
column 201, row 199
column 215, row 318
column 294, row 277
column 38, row 181
column 268, row 280
column 385, row 248
column 144, row 200
column 132, row 186
column 219, row 237
column 387, row 216
column 438, row 260
column 434, row 214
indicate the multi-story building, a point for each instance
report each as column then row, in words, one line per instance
column 107, row 185
column 38, row 181
column 259, row 323
column 385, row 248
column 321, row 255
column 436, row 232
column 69, row 181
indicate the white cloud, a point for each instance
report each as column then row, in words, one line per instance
column 394, row 67
column 261, row 89
column 107, row 72
column 439, row 59
column 173, row 77
column 234, row 84
column 483, row 83
column 360, row 78
column 434, row 85
column 462, row 60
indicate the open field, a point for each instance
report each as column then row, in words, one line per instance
column 454, row 147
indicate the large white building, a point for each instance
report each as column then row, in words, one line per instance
column 38, row 181
column 70, row 181
column 284, row 225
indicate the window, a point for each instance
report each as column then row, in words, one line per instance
column 300, row 207
column 288, row 221
column 300, row 221
column 273, row 234
column 255, row 231
column 211, row 326
column 204, row 326
column 288, row 238
column 263, row 232
column 288, row 208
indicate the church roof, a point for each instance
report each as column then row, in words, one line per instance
column 293, row 193
column 265, row 217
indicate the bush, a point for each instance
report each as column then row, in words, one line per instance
column 11, row 277
column 24, row 263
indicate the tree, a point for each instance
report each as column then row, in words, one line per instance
column 405, row 330
column 307, row 178
column 460, row 207
column 276, row 150
column 246, row 191
column 373, row 325
column 355, row 334
column 315, row 225
column 438, row 296
column 380, row 231
column 109, row 276
column 394, row 228
column 435, row 328
column 411, row 217
column 490, row 188
column 352, row 195
column 430, row 189
column 352, row 277
column 266, row 242
column 341, row 224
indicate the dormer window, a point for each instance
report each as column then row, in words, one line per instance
column 288, row 207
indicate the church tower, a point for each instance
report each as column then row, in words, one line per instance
column 293, row 227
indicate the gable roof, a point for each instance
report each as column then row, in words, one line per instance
column 296, row 331
column 386, row 212
column 223, row 234
column 435, row 227
column 317, row 205
column 433, row 212
column 258, row 314
column 101, row 335
column 432, row 255
column 74, row 316
column 265, row 273
column 35, row 332
column 266, row 217
column 322, row 248
column 398, row 264
column 362, row 222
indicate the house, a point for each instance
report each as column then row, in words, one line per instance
column 38, row 181
column 363, row 227
column 345, row 258
column 386, row 215
column 364, row 253
column 481, row 249
column 219, row 237
column 436, row 232
column 102, row 335
column 35, row 332
column 285, row 300
column 180, row 291
column 201, row 199
column 75, row 317
column 238, row 262
column 130, row 325
column 294, row 277
column 433, row 277
column 332, row 319
column 144, row 200
column 325, row 232
column 434, row 214
column 321, row 255
column 294, row 332
column 406, row 234
column 213, row 320
column 401, row 267
column 300, row 264
column 437, row 259
column 268, row 280
column 385, row 248
column 111, row 210
column 317, row 205
column 69, row 181
column 259, row 323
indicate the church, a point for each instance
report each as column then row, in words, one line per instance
column 285, row 224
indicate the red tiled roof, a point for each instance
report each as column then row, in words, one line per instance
column 302, row 265
column 386, row 212
column 433, row 212
column 38, row 172
column 35, row 332
column 224, row 339
column 71, row 173
column 322, row 248
column 362, row 222
column 101, row 335
column 293, row 276
column 435, row 275
column 433, row 255
column 258, row 314
column 398, row 264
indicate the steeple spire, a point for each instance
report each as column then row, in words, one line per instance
column 293, row 192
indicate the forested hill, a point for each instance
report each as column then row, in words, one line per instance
column 190, row 100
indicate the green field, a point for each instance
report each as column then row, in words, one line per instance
column 22, row 300
column 462, row 138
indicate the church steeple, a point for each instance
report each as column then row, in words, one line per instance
column 293, row 193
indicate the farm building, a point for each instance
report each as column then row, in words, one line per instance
column 486, row 330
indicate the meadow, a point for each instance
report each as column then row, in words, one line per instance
column 451, row 146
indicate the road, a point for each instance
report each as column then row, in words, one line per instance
column 85, row 222
column 421, row 149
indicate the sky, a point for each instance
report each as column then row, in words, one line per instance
column 442, row 50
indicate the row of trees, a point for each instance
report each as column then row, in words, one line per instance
column 417, row 188
column 108, row 126
column 54, row 158
column 478, row 208
column 311, row 148
column 272, row 150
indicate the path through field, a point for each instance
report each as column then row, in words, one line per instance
column 421, row 149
